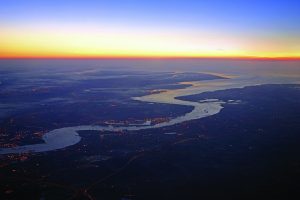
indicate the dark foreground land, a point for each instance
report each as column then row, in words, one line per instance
column 250, row 150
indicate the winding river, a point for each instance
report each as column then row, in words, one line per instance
column 67, row 136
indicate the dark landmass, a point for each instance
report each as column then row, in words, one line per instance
column 250, row 150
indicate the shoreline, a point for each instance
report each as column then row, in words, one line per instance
column 68, row 136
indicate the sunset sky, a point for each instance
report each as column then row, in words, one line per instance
column 156, row 28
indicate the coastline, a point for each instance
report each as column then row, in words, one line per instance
column 68, row 136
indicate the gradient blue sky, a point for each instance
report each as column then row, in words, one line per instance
column 253, row 21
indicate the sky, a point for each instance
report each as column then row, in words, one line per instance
column 156, row 28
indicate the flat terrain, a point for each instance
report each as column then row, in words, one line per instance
column 247, row 151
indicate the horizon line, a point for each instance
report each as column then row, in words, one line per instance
column 295, row 58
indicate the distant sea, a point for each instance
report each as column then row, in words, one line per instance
column 227, row 66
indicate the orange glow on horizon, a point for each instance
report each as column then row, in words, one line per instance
column 155, row 57
column 107, row 43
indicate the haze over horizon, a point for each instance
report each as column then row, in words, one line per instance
column 130, row 28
